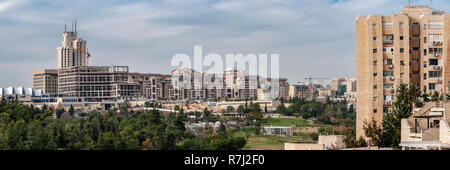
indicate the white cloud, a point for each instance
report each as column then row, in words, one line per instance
column 6, row 5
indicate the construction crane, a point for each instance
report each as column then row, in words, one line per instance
column 84, row 51
column 315, row 78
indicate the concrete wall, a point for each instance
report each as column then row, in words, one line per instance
column 406, row 134
column 444, row 132
column 303, row 146
column 332, row 141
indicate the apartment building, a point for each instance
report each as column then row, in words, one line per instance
column 97, row 83
column 343, row 85
column 153, row 85
column 409, row 47
column 46, row 80
column 301, row 91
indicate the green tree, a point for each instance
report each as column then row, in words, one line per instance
column 241, row 109
column 281, row 109
column 230, row 109
column 388, row 134
column 71, row 110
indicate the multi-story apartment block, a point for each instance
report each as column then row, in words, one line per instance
column 154, row 86
column 97, row 83
column 410, row 47
column 73, row 51
column 46, row 80
column 343, row 85
column 300, row 90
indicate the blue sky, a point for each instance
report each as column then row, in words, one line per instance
column 313, row 37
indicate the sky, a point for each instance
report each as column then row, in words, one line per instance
column 313, row 37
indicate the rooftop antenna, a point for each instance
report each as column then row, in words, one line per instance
column 65, row 27
column 75, row 26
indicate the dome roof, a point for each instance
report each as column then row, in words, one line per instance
column 20, row 91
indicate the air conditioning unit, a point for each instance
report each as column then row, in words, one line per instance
column 391, row 78
column 391, row 66
column 439, row 80
column 437, row 67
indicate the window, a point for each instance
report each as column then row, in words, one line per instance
column 388, row 74
column 375, row 74
column 431, row 86
column 388, row 50
column 388, row 61
column 424, row 76
column 375, row 50
column 374, row 63
column 388, row 39
column 416, row 48
column 401, row 24
column 374, row 26
column 433, row 62
column 388, row 85
column 436, row 38
column 402, row 62
column 401, row 37
column 374, row 38
column 424, row 26
column 374, row 110
column 388, row 98
column 388, row 24
column 435, row 74
column 425, row 51
column 375, row 87
column 375, row 99
column 435, row 51
column 425, row 40
column 402, row 50
column 435, row 24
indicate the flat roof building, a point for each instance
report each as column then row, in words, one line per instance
column 97, row 83
column 409, row 47
column 46, row 80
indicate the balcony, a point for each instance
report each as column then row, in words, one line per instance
column 438, row 68
column 388, row 42
column 388, row 103
column 438, row 42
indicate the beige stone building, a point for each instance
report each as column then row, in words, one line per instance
column 428, row 127
column 409, row 47
column 73, row 51
column 97, row 83
column 325, row 142
column 46, row 80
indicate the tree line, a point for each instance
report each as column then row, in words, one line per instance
column 25, row 127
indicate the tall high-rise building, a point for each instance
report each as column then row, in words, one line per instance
column 410, row 47
column 73, row 51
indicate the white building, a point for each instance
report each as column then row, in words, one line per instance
column 73, row 51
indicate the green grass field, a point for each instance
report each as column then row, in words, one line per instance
column 270, row 142
column 299, row 122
